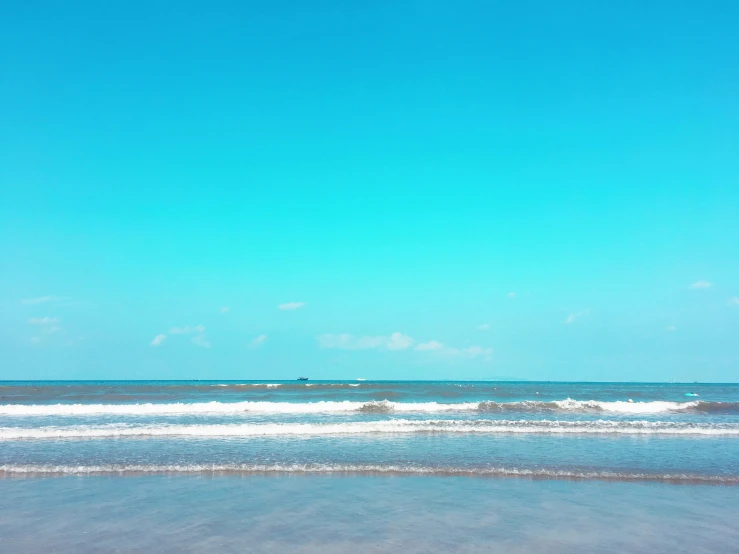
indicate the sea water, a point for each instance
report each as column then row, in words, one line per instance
column 329, row 465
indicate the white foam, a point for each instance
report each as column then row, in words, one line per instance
column 336, row 407
column 653, row 407
column 223, row 408
column 11, row 470
column 402, row 426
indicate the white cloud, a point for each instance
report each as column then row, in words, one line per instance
column 42, row 320
column 291, row 305
column 187, row 330
column 444, row 351
column 574, row 317
column 259, row 341
column 483, row 327
column 198, row 330
column 39, row 300
column 474, row 351
column 399, row 341
column 201, row 341
column 44, row 300
column 363, row 343
column 430, row 345
column 671, row 328
column 511, row 294
column 701, row 285
column 345, row 341
column 224, row 310
column 46, row 326
column 330, row 340
column 734, row 301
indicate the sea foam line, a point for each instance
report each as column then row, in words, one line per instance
column 401, row 426
column 567, row 405
column 240, row 385
column 8, row 471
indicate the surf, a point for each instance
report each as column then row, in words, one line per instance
column 377, row 406
column 393, row 426
column 47, row 470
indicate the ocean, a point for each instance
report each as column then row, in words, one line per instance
column 275, row 466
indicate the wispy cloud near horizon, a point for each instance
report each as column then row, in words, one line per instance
column 201, row 341
column 258, row 341
column 290, row 306
column 187, row 330
column 430, row 345
column 701, row 285
column 572, row 318
column 400, row 341
column 42, row 320
column 44, row 300
column 445, row 351
column 345, row 341
column 47, row 326
column 39, row 300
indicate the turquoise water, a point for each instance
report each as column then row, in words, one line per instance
column 570, row 430
column 270, row 465
column 290, row 513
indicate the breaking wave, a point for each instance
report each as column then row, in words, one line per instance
column 375, row 407
column 384, row 406
column 9, row 471
column 400, row 426
column 570, row 405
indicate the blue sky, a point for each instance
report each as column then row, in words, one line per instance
column 436, row 189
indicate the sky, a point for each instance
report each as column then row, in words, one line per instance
column 387, row 190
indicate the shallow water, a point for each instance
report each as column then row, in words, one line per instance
column 362, row 514
column 326, row 466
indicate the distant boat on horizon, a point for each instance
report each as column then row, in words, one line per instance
column 361, row 379
column 302, row 378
